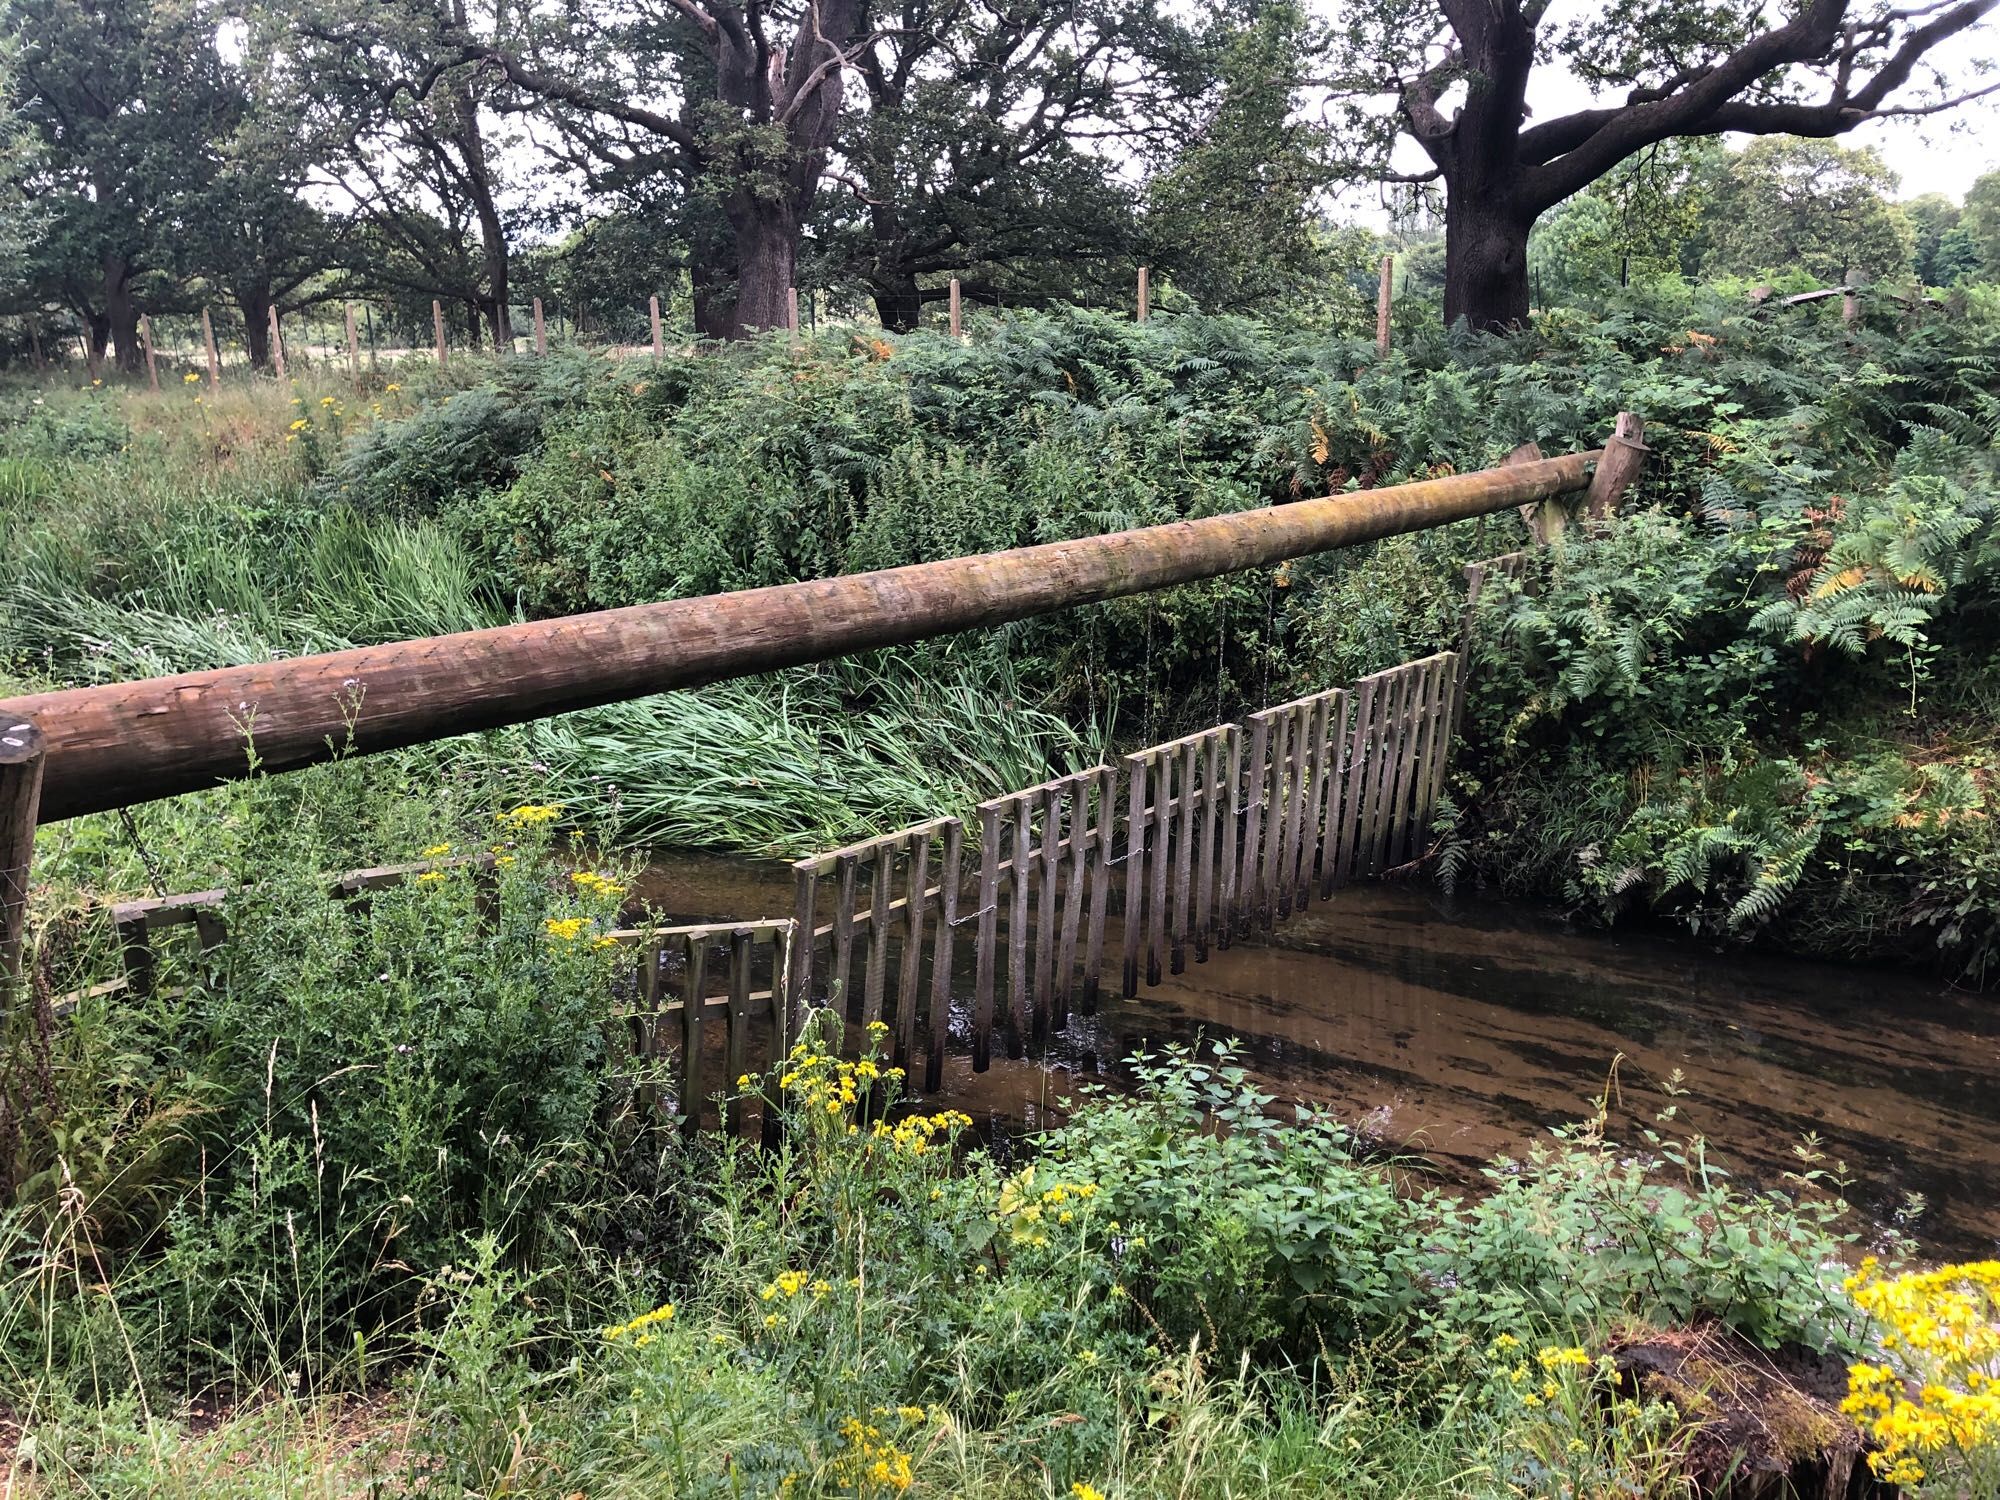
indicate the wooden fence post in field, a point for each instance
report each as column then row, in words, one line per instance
column 541, row 330
column 659, row 344
column 792, row 312
column 353, row 347
column 956, row 329
column 1383, row 294
column 1850, row 300
column 146, row 339
column 1145, row 292
column 1624, row 454
column 277, row 344
column 22, row 753
column 437, row 323
column 214, row 359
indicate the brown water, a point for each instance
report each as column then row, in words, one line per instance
column 1460, row 1030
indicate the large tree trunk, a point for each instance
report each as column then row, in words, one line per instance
column 767, row 248
column 121, row 312
column 899, row 304
column 254, row 302
column 1485, row 262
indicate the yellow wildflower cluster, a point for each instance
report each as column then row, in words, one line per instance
column 1026, row 1210
column 872, row 1464
column 790, row 1283
column 917, row 1134
column 823, row 1084
column 431, row 877
column 191, row 378
column 1082, row 1491
column 437, row 851
column 529, row 814
column 593, row 884
column 1933, row 1402
column 565, row 929
column 1557, row 1357
column 636, row 1330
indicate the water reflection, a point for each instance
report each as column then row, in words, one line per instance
column 1462, row 1030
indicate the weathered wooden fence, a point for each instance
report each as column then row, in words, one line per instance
column 1188, row 845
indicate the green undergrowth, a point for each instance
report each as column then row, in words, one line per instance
column 1763, row 705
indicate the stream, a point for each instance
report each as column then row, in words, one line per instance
column 1457, row 1029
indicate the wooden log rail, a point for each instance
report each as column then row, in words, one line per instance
column 121, row 743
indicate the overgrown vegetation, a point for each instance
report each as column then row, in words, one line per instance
column 376, row 1186
column 1762, row 702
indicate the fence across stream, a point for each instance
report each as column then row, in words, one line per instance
column 997, row 928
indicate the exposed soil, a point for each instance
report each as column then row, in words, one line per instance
column 1766, row 1424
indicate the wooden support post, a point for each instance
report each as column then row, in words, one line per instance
column 437, row 323
column 736, row 1038
column 277, row 344
column 1850, row 300
column 1383, row 293
column 956, row 325
column 653, row 312
column 1546, row 519
column 214, row 359
column 792, row 313
column 353, row 347
column 696, row 979
column 542, row 342
column 1145, row 292
column 146, row 341
column 1624, row 455
column 22, row 754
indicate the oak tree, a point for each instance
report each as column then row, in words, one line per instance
column 1455, row 76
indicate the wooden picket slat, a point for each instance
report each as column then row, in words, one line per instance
column 989, row 917
column 1133, row 915
column 1077, row 846
column 1100, row 884
column 949, row 877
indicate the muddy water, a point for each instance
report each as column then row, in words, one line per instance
column 1460, row 1030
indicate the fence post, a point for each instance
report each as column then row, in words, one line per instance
column 437, row 323
column 1624, row 454
column 146, row 339
column 22, row 754
column 277, row 344
column 1383, row 294
column 1145, row 292
column 214, row 359
column 353, row 347
column 792, row 312
column 956, row 328
column 659, row 344
column 541, row 330
column 1850, row 300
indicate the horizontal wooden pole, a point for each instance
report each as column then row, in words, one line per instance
column 125, row 742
